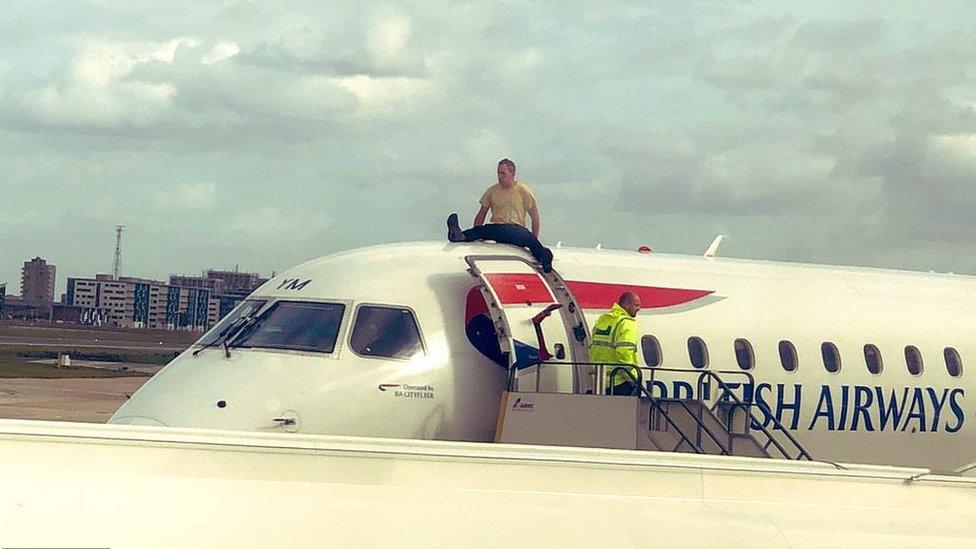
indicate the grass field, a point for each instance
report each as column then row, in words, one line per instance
column 82, row 334
column 15, row 369
column 107, row 354
column 19, row 361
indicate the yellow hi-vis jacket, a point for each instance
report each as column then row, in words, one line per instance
column 614, row 341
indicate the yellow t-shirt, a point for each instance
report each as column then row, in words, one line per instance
column 509, row 205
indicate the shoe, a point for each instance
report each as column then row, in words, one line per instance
column 546, row 260
column 454, row 232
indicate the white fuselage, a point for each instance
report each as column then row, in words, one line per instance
column 450, row 391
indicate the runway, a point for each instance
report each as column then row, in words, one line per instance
column 93, row 343
column 78, row 400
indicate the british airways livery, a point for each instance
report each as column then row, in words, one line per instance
column 453, row 341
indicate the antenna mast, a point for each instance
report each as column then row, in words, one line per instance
column 117, row 265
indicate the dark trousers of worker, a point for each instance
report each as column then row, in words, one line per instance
column 626, row 389
column 510, row 233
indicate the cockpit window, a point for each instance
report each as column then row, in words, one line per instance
column 389, row 332
column 296, row 326
column 245, row 309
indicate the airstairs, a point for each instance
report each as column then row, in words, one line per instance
column 727, row 426
column 692, row 428
column 556, row 397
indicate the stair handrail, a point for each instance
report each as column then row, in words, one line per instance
column 667, row 418
column 749, row 377
column 700, row 386
column 701, row 425
column 747, row 406
column 625, row 370
column 727, row 391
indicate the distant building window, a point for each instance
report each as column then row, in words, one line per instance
column 787, row 356
column 913, row 359
column 652, row 351
column 953, row 362
column 697, row 352
column 388, row 332
column 872, row 358
column 831, row 357
column 743, row 354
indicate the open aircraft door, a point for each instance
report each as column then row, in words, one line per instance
column 536, row 318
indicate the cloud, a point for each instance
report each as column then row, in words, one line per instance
column 836, row 133
column 387, row 35
column 841, row 36
column 220, row 52
column 957, row 148
column 96, row 90
column 186, row 197
column 270, row 226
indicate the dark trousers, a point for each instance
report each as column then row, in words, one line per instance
column 510, row 233
column 626, row 389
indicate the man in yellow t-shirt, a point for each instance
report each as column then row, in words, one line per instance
column 509, row 201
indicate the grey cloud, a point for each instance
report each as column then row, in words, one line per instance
column 842, row 37
column 807, row 132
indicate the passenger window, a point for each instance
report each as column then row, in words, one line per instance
column 831, row 357
column 244, row 310
column 697, row 352
column 872, row 357
column 744, row 355
column 913, row 359
column 953, row 362
column 787, row 356
column 652, row 351
column 389, row 332
column 296, row 326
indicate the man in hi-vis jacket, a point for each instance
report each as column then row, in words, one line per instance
column 614, row 342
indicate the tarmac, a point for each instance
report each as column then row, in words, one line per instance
column 89, row 400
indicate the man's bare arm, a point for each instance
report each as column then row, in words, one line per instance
column 479, row 219
column 536, row 225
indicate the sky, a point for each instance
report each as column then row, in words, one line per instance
column 262, row 134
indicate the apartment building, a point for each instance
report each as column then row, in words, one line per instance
column 142, row 303
column 37, row 282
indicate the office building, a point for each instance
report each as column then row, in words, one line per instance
column 215, row 285
column 235, row 282
column 142, row 303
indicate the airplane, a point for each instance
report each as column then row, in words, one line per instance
column 426, row 340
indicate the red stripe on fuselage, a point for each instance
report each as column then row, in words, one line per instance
column 523, row 288
column 513, row 288
column 602, row 295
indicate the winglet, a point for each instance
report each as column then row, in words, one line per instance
column 713, row 247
